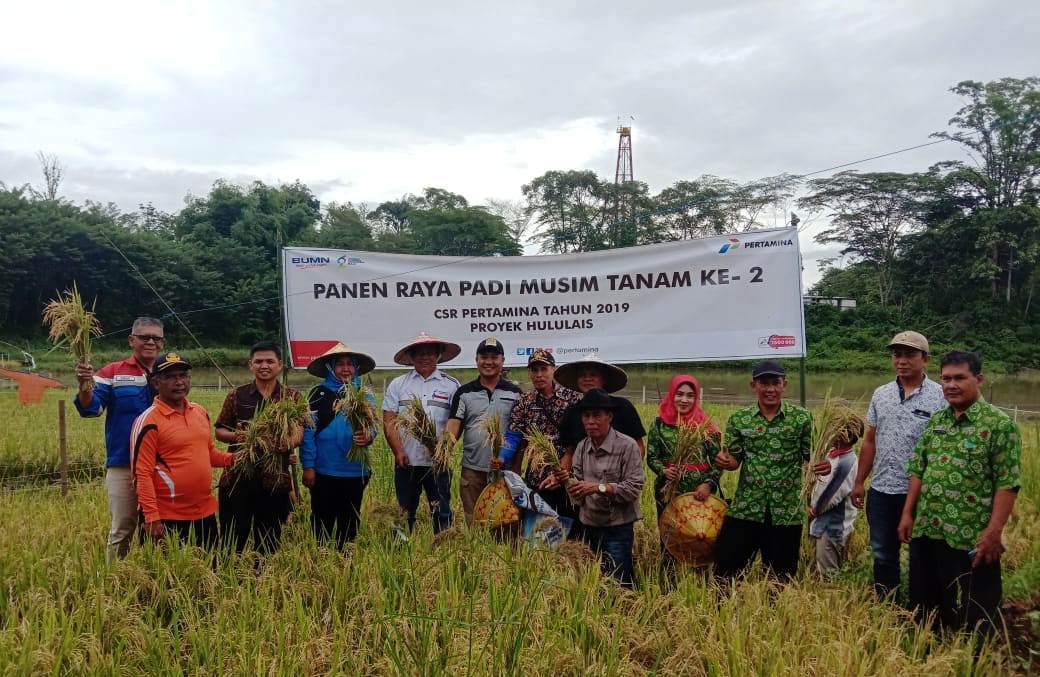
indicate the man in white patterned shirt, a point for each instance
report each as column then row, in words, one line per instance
column 896, row 419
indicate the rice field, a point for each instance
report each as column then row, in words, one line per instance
column 461, row 603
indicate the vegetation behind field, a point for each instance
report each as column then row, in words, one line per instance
column 459, row 604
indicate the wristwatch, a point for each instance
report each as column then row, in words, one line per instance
column 602, row 488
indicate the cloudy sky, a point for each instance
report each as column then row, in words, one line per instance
column 149, row 101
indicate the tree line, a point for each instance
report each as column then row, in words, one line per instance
column 954, row 245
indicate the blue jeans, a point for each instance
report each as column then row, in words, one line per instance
column 614, row 545
column 883, row 514
column 411, row 482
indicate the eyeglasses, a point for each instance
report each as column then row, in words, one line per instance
column 148, row 339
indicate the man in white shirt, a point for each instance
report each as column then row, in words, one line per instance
column 896, row 419
column 413, row 471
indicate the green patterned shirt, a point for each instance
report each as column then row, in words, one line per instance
column 660, row 448
column 961, row 463
column 772, row 454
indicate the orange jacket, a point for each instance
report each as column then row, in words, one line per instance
column 171, row 456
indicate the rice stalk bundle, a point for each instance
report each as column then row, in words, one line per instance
column 415, row 422
column 542, row 452
column 356, row 403
column 494, row 436
column 269, row 435
column 447, row 449
column 70, row 321
column 689, row 448
column 835, row 424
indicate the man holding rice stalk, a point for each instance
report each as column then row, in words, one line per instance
column 489, row 394
column 122, row 390
column 896, row 418
column 432, row 390
column 772, row 440
column 608, row 467
column 334, row 455
column 541, row 410
column 172, row 456
column 964, row 478
column 257, row 502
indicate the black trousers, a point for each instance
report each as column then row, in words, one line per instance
column 202, row 532
column 740, row 540
column 336, row 507
column 247, row 509
column 943, row 583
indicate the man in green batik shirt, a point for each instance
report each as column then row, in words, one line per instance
column 964, row 478
column 772, row 440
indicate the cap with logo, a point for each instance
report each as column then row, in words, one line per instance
column 910, row 339
column 541, row 356
column 168, row 362
column 491, row 345
column 768, row 368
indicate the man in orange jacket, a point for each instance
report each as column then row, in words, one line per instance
column 172, row 456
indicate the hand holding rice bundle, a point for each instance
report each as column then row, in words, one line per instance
column 689, row 448
column 356, row 403
column 271, row 435
column 415, row 422
column 835, row 425
column 542, row 452
column 70, row 321
column 447, row 449
column 494, row 437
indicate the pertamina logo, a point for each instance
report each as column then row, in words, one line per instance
column 305, row 262
column 731, row 246
column 777, row 341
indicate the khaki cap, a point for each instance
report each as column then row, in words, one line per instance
column 910, row 339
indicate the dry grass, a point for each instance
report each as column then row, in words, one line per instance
column 69, row 322
column 464, row 603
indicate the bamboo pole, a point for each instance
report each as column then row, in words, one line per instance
column 63, row 448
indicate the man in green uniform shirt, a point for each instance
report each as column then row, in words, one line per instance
column 964, row 477
column 772, row 440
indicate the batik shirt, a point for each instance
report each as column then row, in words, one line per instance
column 900, row 418
column 660, row 450
column 962, row 462
column 773, row 454
column 534, row 411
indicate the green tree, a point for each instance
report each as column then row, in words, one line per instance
column 470, row 231
column 999, row 128
column 869, row 213
column 567, row 207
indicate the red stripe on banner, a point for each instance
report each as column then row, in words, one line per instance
column 304, row 352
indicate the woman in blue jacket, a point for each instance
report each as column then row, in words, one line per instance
column 337, row 484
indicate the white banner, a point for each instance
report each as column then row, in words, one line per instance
column 719, row 298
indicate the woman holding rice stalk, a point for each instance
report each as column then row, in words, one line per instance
column 336, row 477
column 680, row 469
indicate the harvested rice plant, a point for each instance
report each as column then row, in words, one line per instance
column 463, row 603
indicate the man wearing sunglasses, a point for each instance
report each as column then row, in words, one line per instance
column 121, row 389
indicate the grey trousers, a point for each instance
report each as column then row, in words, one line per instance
column 830, row 554
column 122, row 507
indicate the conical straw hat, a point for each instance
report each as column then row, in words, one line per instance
column 317, row 366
